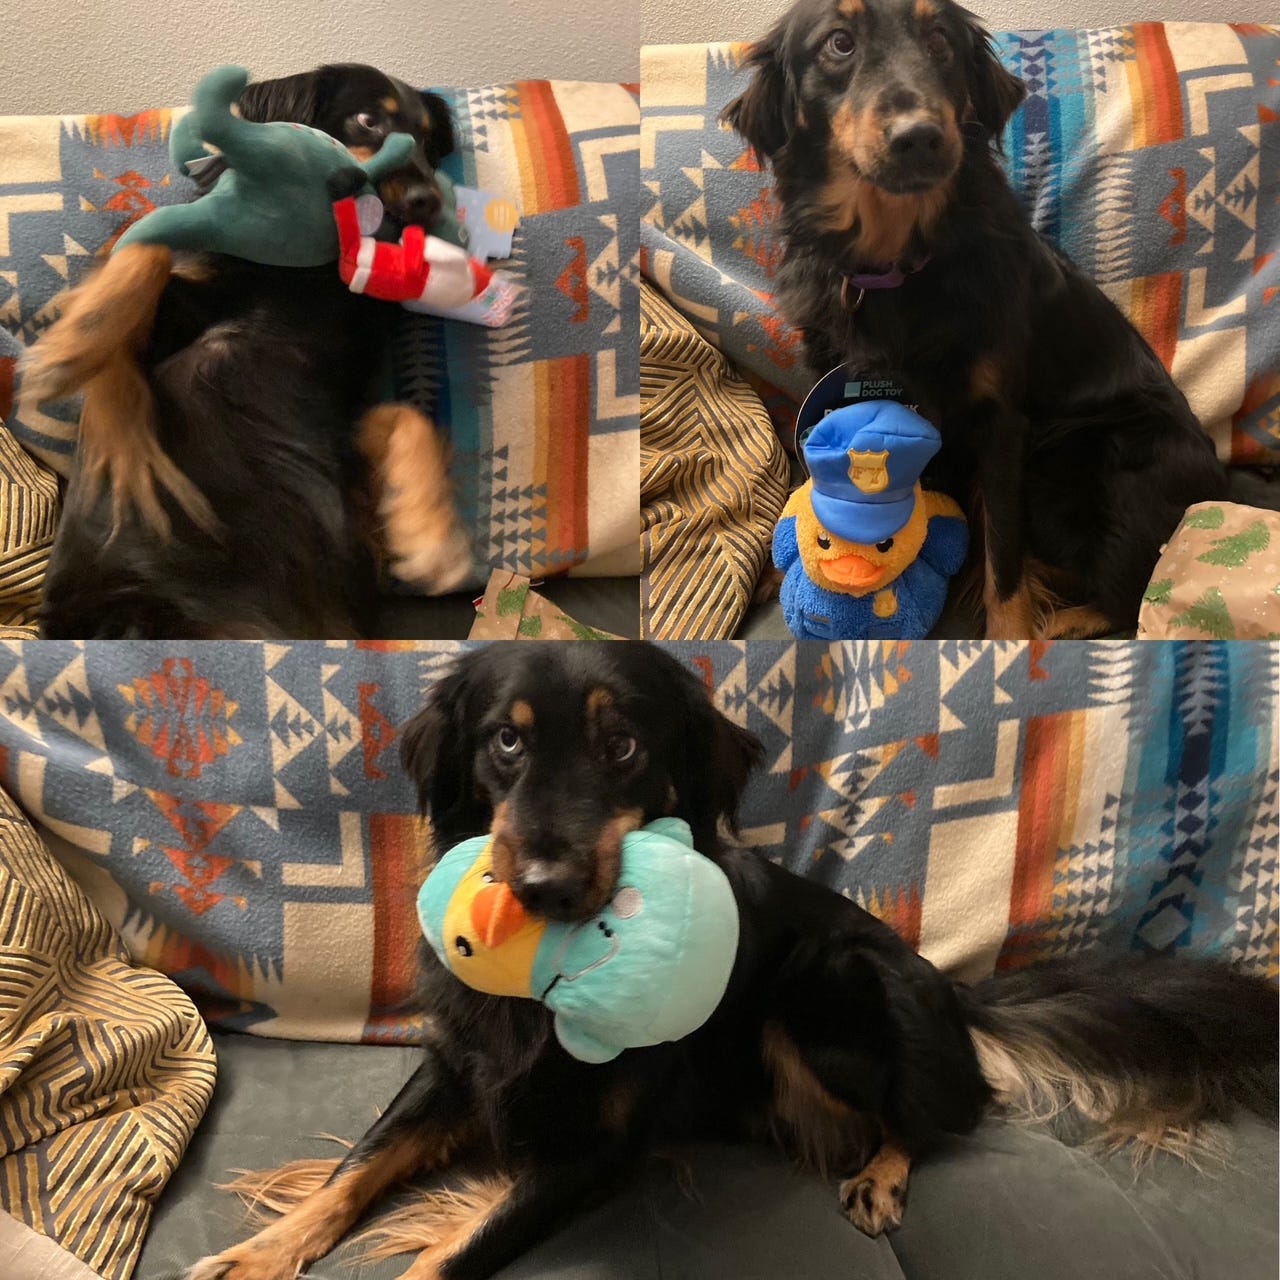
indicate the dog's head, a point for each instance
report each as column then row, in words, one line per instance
column 879, row 88
column 361, row 106
column 560, row 750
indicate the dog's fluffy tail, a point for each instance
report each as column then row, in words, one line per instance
column 1143, row 1051
column 95, row 347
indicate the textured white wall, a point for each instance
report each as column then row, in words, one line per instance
column 59, row 56
column 695, row 21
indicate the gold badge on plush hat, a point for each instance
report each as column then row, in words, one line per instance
column 869, row 470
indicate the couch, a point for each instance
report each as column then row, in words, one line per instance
column 222, row 830
column 542, row 415
column 1150, row 152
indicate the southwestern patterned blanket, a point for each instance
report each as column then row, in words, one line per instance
column 237, row 812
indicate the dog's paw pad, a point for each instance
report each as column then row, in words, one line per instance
column 874, row 1205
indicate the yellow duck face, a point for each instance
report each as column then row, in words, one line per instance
column 854, row 568
column 490, row 940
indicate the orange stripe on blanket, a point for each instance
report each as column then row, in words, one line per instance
column 1153, row 88
column 398, row 869
column 124, row 131
column 1156, row 309
column 563, row 411
column 548, row 171
column 1051, row 769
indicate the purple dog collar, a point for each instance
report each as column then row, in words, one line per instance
column 890, row 278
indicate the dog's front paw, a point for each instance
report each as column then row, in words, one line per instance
column 873, row 1203
column 243, row 1263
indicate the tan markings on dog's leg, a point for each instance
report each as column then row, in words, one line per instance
column 119, row 448
column 440, row 1224
column 114, row 307
column 407, row 455
column 874, row 1199
column 314, row 1226
column 807, row 1119
column 95, row 344
column 1079, row 622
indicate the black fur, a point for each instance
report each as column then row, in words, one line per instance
column 1084, row 454
column 259, row 374
column 885, row 1038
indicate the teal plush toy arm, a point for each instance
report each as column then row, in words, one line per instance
column 272, row 204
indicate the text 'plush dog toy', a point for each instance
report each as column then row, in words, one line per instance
column 866, row 551
column 651, row 967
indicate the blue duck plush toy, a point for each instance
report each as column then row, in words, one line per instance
column 867, row 553
column 651, row 967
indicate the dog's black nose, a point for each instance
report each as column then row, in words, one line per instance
column 914, row 140
column 551, row 890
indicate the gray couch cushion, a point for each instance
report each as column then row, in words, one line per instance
column 1002, row 1203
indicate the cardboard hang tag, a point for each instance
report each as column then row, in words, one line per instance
column 489, row 221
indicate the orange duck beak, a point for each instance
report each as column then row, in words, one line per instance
column 852, row 571
column 497, row 914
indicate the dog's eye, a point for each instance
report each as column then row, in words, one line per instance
column 366, row 120
column 824, row 542
column 840, row 43
column 509, row 741
column 886, row 545
column 938, row 45
column 621, row 747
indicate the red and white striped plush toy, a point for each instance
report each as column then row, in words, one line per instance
column 422, row 272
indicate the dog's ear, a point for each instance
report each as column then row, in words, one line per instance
column 441, row 136
column 766, row 113
column 994, row 93
column 437, row 750
column 298, row 98
column 718, row 760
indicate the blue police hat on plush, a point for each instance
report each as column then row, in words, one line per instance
column 865, row 550
column 865, row 460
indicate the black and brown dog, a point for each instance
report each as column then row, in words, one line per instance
column 224, row 486
column 1063, row 435
column 834, row 1040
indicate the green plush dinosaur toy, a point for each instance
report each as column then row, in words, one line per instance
column 271, row 205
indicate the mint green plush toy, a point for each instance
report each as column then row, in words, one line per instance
column 272, row 204
column 651, row 967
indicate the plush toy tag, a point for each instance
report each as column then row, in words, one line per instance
column 489, row 221
column 837, row 390
column 197, row 166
